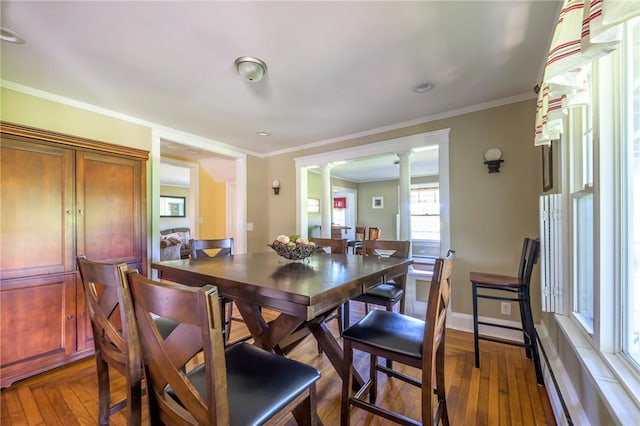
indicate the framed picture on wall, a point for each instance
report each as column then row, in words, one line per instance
column 547, row 168
column 377, row 202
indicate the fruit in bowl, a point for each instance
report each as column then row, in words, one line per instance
column 293, row 247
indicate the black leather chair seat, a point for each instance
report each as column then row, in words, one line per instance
column 389, row 331
column 381, row 294
column 259, row 383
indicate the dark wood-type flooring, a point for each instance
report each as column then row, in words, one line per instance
column 502, row 392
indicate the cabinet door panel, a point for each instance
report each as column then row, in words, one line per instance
column 109, row 207
column 38, row 321
column 37, row 209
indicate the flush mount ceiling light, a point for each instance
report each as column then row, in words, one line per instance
column 263, row 133
column 10, row 36
column 423, row 87
column 250, row 68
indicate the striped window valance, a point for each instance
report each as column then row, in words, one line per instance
column 586, row 30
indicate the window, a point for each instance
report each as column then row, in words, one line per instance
column 581, row 172
column 425, row 212
column 631, row 195
column 604, row 190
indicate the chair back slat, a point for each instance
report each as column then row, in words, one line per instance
column 337, row 246
column 197, row 312
column 199, row 247
column 401, row 248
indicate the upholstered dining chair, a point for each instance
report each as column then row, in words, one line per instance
column 407, row 340
column 115, row 336
column 356, row 245
column 514, row 289
column 238, row 385
column 215, row 248
column 384, row 294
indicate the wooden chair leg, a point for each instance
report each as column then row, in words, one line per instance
column 104, row 397
column 373, row 375
column 306, row 413
column 134, row 404
column 347, row 383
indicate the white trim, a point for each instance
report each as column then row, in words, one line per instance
column 464, row 322
column 619, row 396
column 164, row 132
column 89, row 107
column 565, row 384
column 405, row 124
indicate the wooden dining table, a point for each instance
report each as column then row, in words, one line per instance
column 303, row 292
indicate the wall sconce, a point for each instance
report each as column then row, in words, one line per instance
column 493, row 158
column 275, row 185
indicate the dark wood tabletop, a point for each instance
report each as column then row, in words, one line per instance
column 301, row 288
column 304, row 292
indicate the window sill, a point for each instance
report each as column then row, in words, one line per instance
column 617, row 384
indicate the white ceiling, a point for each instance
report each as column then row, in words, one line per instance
column 335, row 69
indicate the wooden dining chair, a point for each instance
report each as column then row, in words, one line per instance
column 374, row 233
column 385, row 294
column 336, row 246
column 115, row 336
column 514, row 289
column 356, row 244
column 216, row 248
column 409, row 341
column 238, row 385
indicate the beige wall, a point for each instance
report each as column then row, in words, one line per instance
column 490, row 213
column 28, row 110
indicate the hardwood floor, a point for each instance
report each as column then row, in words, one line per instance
column 502, row 392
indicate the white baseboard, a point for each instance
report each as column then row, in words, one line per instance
column 563, row 388
column 464, row 322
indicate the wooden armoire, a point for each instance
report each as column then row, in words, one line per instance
column 61, row 196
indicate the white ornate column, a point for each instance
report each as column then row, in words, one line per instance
column 325, row 202
column 405, row 195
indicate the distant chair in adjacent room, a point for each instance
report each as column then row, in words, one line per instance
column 486, row 285
column 356, row 244
column 407, row 340
column 238, row 385
column 216, row 248
column 374, row 233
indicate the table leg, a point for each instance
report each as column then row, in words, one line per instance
column 266, row 335
column 333, row 351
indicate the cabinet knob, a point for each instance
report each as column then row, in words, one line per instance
column 68, row 211
column 81, row 314
column 80, row 211
column 69, row 317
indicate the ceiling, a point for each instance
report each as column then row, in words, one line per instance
column 335, row 69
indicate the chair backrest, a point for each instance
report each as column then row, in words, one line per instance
column 401, row 248
column 337, row 246
column 528, row 259
column 434, row 330
column 198, row 247
column 196, row 310
column 374, row 233
column 113, row 322
column 360, row 232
